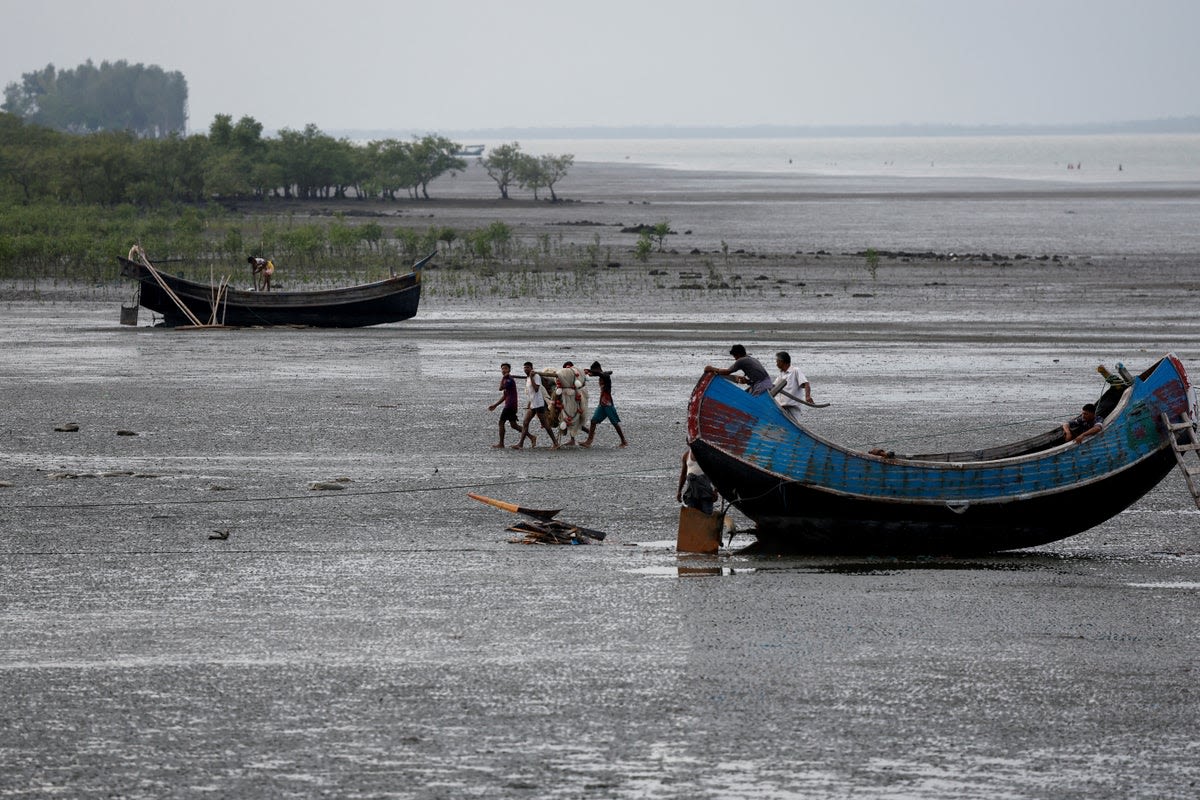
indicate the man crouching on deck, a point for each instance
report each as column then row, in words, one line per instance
column 1085, row 425
column 755, row 373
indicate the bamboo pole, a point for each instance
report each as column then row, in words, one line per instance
column 145, row 262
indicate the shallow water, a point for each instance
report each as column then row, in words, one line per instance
column 387, row 641
column 1067, row 160
column 999, row 194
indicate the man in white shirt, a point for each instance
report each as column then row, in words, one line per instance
column 535, row 406
column 789, row 387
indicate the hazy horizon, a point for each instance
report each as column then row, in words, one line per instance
column 534, row 64
column 1170, row 125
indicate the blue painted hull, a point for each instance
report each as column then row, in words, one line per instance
column 806, row 493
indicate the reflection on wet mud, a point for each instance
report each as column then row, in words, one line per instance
column 750, row 563
column 892, row 564
column 711, row 571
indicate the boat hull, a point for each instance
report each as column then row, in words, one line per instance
column 377, row 303
column 807, row 494
column 796, row 517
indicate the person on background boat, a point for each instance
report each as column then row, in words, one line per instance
column 535, row 406
column 605, row 409
column 789, row 386
column 508, row 396
column 263, row 267
column 695, row 489
column 754, row 374
column 1085, row 425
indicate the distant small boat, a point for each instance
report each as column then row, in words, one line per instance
column 808, row 494
column 469, row 150
column 183, row 302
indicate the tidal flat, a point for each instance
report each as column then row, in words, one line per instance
column 386, row 640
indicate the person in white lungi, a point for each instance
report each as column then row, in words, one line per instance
column 535, row 406
column 790, row 386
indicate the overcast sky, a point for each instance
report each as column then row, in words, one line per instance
column 454, row 65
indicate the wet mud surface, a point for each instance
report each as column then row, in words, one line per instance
column 384, row 640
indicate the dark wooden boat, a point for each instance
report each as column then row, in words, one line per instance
column 808, row 494
column 389, row 300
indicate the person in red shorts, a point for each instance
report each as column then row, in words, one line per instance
column 605, row 409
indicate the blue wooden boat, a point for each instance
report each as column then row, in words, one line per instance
column 808, row 494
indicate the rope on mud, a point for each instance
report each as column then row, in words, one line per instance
column 315, row 495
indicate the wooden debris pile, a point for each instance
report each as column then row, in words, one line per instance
column 540, row 527
column 550, row 532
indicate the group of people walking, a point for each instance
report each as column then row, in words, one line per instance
column 791, row 390
column 567, row 411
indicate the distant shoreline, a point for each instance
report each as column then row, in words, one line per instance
column 1170, row 125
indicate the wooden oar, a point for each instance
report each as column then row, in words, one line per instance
column 536, row 513
column 800, row 400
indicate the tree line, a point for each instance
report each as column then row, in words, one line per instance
column 116, row 96
column 234, row 161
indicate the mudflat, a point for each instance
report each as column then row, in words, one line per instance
column 385, row 639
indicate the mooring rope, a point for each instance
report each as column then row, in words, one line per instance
column 137, row 251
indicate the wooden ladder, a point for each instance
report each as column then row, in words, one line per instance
column 1192, row 445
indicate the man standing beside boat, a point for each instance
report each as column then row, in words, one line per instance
column 753, row 372
column 695, row 489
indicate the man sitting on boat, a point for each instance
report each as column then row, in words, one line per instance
column 264, row 267
column 1085, row 425
column 755, row 374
